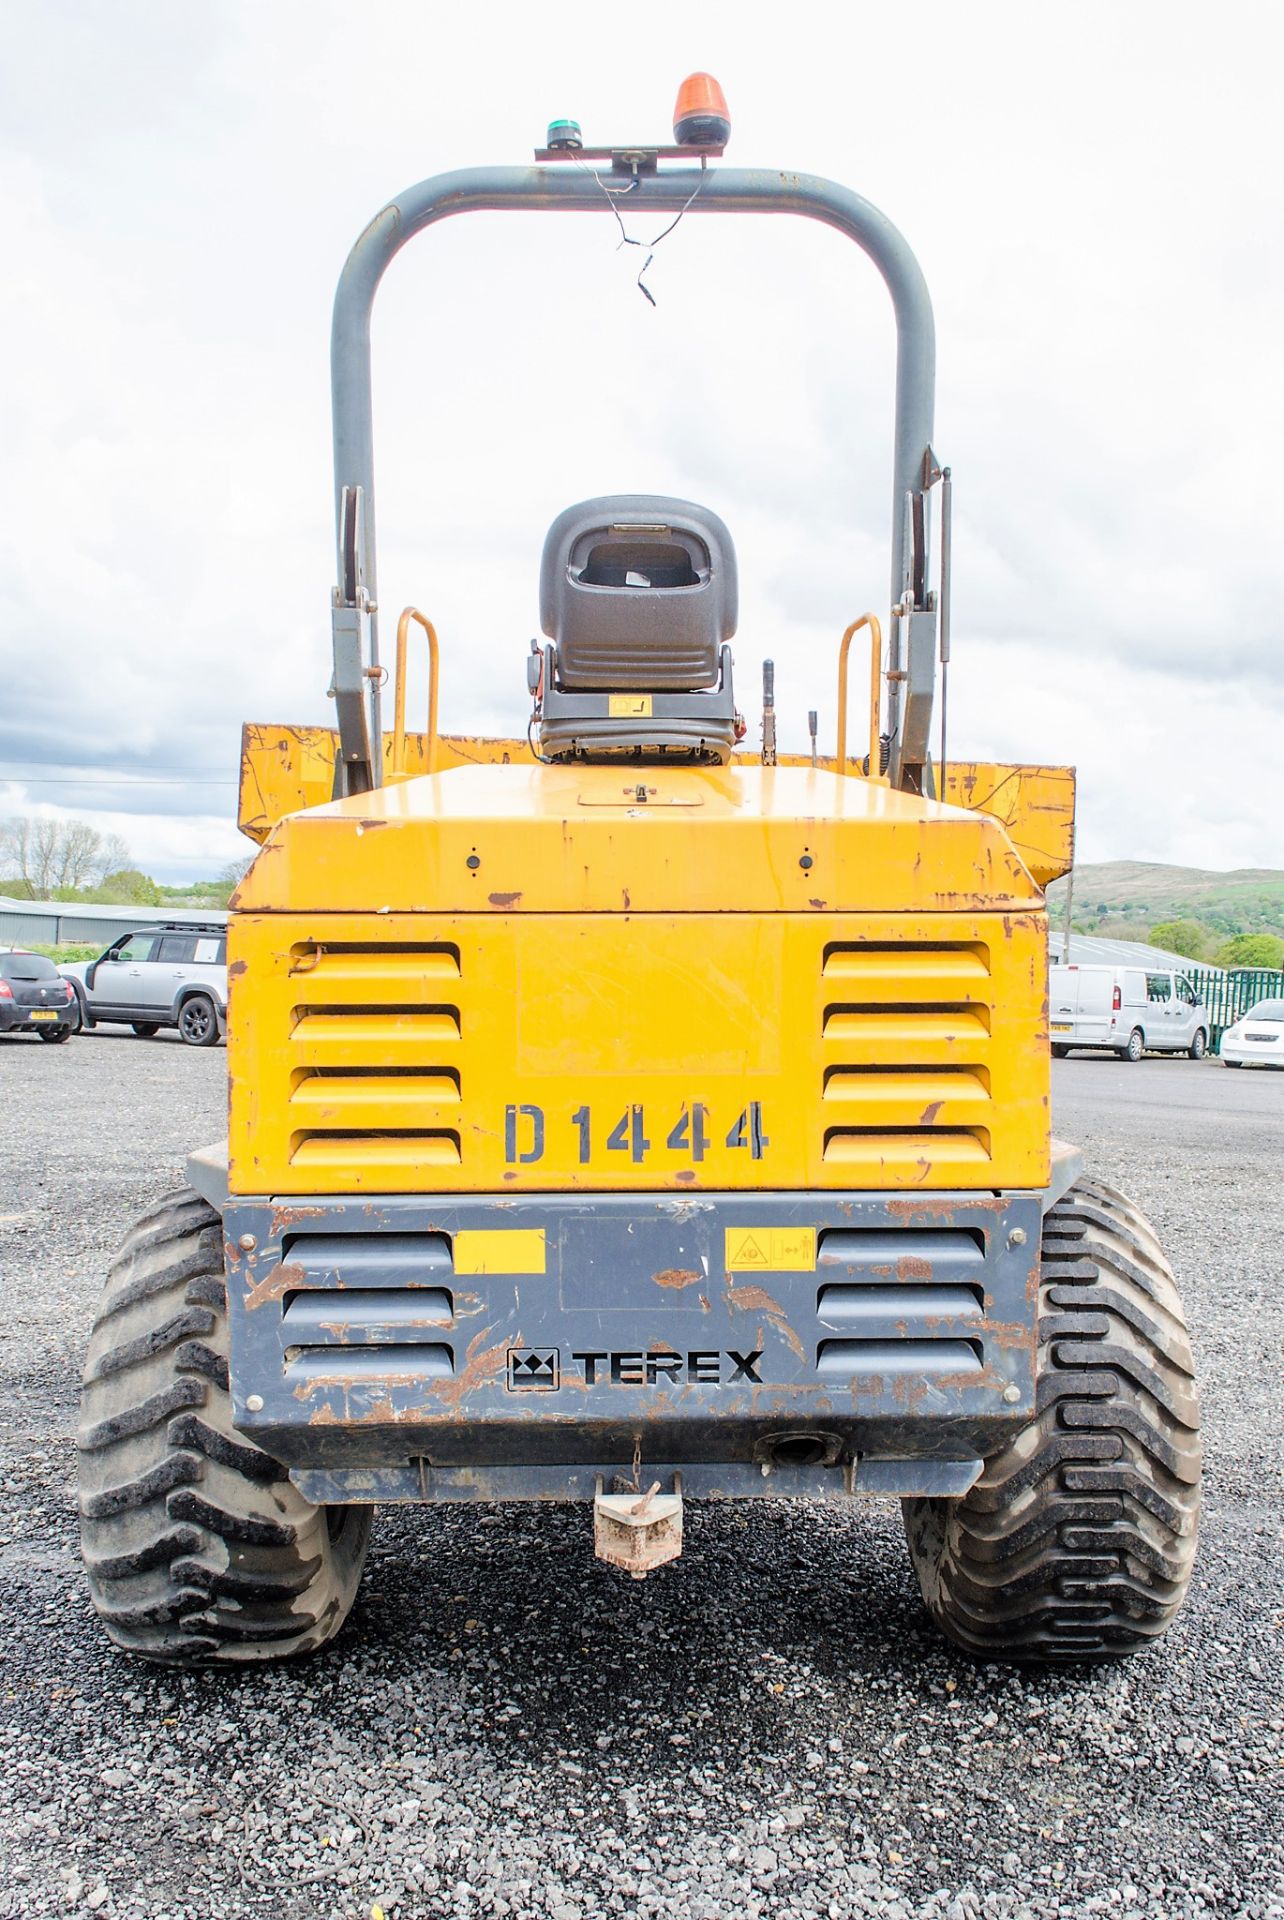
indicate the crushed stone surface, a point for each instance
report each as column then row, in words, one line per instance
column 768, row 1727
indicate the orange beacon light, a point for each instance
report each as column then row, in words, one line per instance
column 700, row 118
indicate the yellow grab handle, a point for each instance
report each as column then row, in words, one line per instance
column 399, row 700
column 871, row 621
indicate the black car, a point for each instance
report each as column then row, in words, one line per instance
column 34, row 997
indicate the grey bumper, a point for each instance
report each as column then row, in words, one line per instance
column 479, row 1347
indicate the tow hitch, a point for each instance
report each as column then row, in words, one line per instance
column 638, row 1531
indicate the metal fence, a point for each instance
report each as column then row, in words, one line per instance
column 1229, row 992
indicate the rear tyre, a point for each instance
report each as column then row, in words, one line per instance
column 1232, row 1063
column 54, row 1036
column 198, row 1022
column 145, row 1029
column 199, row 1549
column 1199, row 1045
column 1058, row 1052
column 1077, row 1542
column 1136, row 1046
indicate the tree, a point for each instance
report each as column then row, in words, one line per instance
column 15, row 851
column 230, row 879
column 113, row 857
column 127, row 887
column 1252, row 950
column 1190, row 938
column 48, row 853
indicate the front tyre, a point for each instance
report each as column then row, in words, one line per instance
column 200, row 1550
column 1199, row 1045
column 1077, row 1541
column 198, row 1021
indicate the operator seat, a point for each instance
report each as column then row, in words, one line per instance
column 638, row 597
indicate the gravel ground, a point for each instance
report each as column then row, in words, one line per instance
column 769, row 1727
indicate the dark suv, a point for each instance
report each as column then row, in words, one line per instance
column 158, row 976
column 34, row 997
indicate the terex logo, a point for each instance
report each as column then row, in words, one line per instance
column 634, row 1368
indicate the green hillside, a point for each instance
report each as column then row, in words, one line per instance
column 1128, row 898
column 1245, row 900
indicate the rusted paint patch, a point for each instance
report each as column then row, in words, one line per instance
column 481, row 1364
column 1013, row 1336
column 753, row 1300
column 383, row 1413
column 758, row 1300
column 286, row 1219
column 280, row 1280
column 342, row 1333
column 677, row 1277
column 915, row 1211
column 504, row 899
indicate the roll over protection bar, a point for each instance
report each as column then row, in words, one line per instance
column 555, row 189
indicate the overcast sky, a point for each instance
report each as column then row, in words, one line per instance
column 1095, row 194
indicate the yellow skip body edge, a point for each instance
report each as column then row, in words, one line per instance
column 286, row 769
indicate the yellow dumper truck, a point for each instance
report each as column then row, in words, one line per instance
column 619, row 1114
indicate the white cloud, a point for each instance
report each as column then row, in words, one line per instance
column 1095, row 205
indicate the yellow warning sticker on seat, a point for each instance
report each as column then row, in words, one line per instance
column 771, row 1249
column 500, row 1250
column 629, row 706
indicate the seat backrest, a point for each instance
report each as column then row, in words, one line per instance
column 638, row 593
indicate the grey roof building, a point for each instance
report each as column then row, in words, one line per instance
column 48, row 923
column 1091, row 950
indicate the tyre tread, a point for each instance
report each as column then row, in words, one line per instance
column 198, row 1548
column 1078, row 1540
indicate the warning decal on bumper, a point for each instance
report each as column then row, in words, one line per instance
column 771, row 1249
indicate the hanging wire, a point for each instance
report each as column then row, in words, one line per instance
column 612, row 194
column 542, row 758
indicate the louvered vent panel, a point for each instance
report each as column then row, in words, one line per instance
column 375, row 1034
column 906, row 1075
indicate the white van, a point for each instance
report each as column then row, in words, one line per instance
column 1128, row 1010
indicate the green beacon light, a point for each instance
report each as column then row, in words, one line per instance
column 563, row 136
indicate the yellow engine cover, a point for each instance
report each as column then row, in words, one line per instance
column 508, row 979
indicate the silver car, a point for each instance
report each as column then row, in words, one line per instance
column 159, row 976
